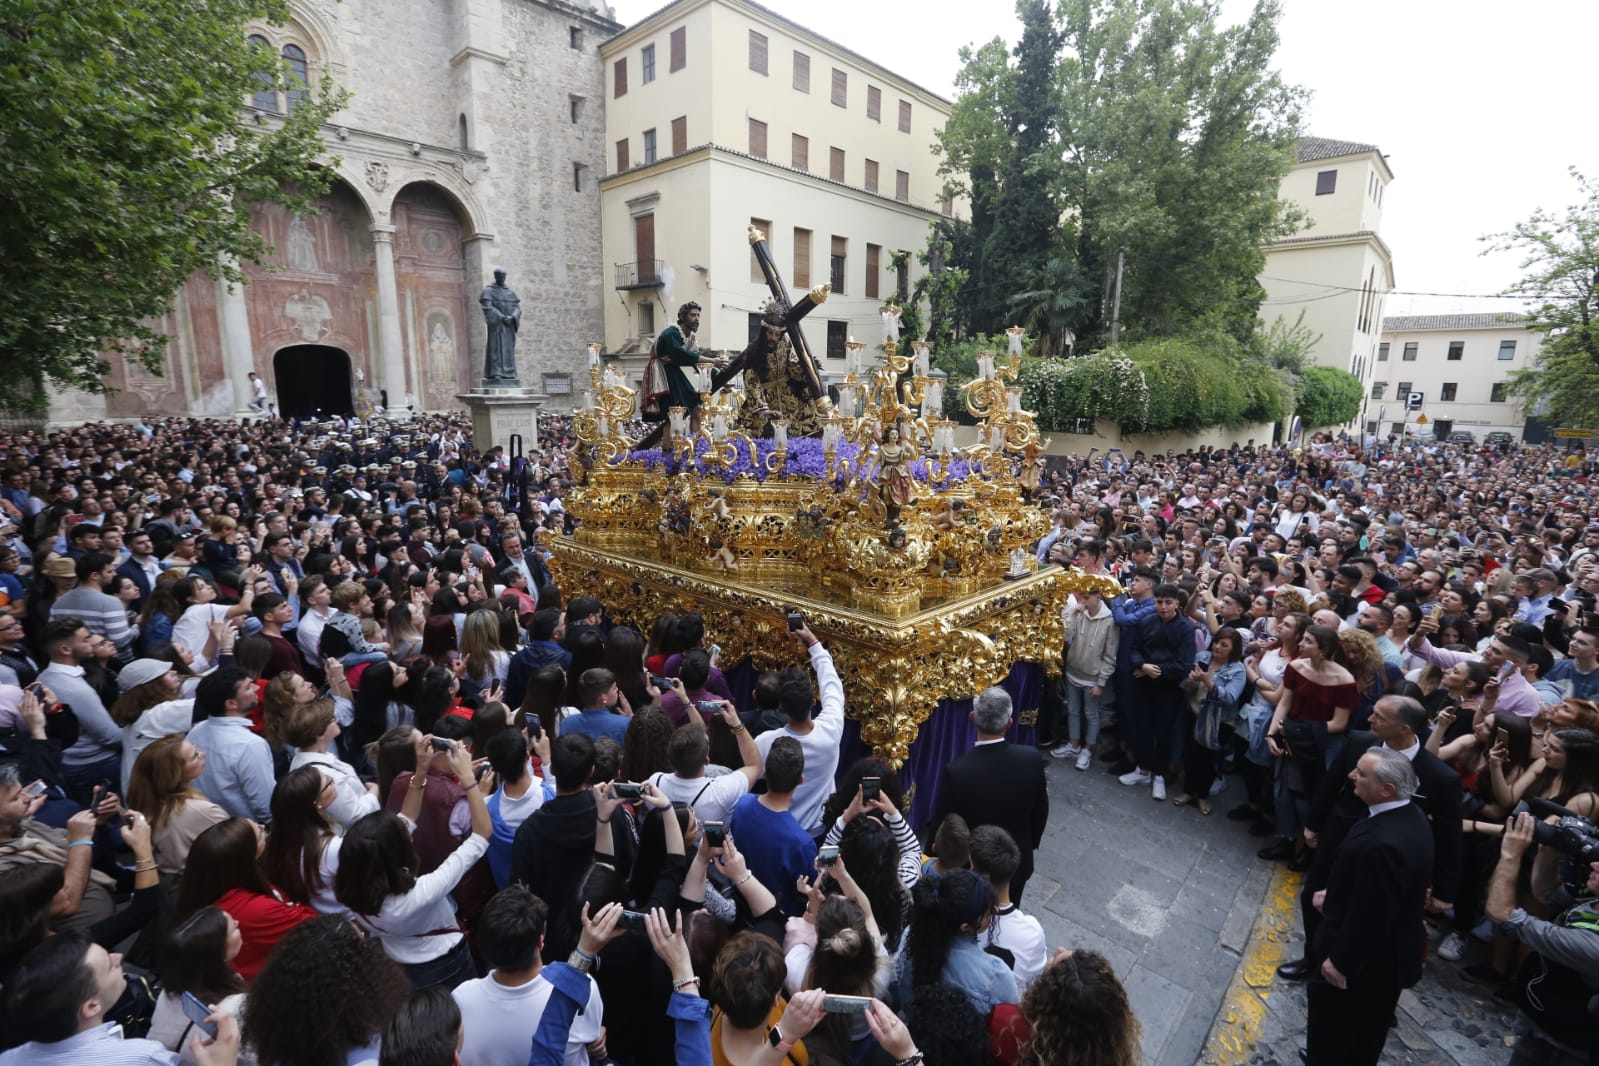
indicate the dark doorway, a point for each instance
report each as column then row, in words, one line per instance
column 313, row 382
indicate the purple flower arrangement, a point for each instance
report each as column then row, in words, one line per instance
column 805, row 459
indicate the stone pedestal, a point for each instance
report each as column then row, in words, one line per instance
column 498, row 413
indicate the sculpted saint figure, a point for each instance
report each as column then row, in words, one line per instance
column 502, row 310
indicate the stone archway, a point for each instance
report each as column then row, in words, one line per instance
column 431, row 270
column 313, row 381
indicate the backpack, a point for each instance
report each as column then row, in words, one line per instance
column 500, row 841
column 657, row 391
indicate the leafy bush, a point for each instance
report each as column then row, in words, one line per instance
column 1328, row 396
column 1101, row 385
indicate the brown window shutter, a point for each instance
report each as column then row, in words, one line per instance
column 620, row 89
column 871, row 175
column 902, row 186
column 622, row 160
column 840, row 88
column 758, row 52
column 757, row 138
column 802, row 258
column 836, row 170
column 802, row 72
column 874, row 103
column 874, row 266
column 904, row 116
column 679, row 48
column 799, row 152
column 680, row 135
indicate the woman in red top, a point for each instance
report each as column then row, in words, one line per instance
column 223, row 872
column 1315, row 689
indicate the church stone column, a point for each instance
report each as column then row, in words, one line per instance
column 389, row 316
column 237, row 348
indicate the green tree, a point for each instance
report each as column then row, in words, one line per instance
column 1327, row 396
column 129, row 166
column 1166, row 139
column 1053, row 300
column 1560, row 261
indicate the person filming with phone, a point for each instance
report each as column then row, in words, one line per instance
column 1505, row 655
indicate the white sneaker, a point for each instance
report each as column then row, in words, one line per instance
column 1065, row 750
column 1160, row 789
column 1136, row 777
column 1453, row 946
column 1085, row 759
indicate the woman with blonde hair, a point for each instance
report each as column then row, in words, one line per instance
column 1376, row 678
column 161, row 787
column 311, row 728
column 486, row 661
column 148, row 709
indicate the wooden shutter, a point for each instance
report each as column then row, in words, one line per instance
column 837, row 266
column 802, row 258
column 619, row 88
column 757, row 138
column 802, row 72
column 758, row 52
column 680, row 135
column 840, row 88
column 871, row 175
column 904, row 116
column 874, row 265
column 836, row 169
column 679, row 47
column 622, row 160
column 644, row 245
column 902, row 186
column 799, row 152
column 874, row 103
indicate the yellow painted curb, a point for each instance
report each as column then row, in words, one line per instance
column 1241, row 1020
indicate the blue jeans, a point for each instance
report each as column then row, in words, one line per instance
column 356, row 658
column 1082, row 715
column 80, row 780
column 447, row 971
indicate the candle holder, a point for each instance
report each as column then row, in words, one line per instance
column 778, row 459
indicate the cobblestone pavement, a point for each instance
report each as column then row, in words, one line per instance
column 1195, row 925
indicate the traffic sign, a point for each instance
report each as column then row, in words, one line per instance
column 1414, row 401
column 1422, row 421
column 1578, row 434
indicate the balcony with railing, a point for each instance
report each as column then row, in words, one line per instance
column 644, row 274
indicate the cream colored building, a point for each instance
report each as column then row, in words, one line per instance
column 1336, row 269
column 720, row 115
column 1460, row 364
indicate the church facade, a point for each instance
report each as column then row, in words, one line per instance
column 470, row 142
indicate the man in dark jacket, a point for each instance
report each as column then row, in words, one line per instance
column 1371, row 940
column 554, row 848
column 1395, row 723
column 998, row 784
column 1162, row 655
column 543, row 648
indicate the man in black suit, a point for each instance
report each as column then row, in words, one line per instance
column 998, row 784
column 1370, row 940
column 1396, row 722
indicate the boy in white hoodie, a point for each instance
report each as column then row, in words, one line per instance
column 1090, row 660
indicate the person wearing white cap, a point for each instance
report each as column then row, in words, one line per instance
column 148, row 709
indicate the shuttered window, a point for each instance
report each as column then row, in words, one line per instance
column 802, row 258
column 758, row 52
column 679, row 48
column 802, row 72
column 799, row 152
column 840, row 254
column 874, row 103
column 757, row 138
column 902, row 186
column 904, row 116
column 874, row 266
column 619, row 71
column 622, row 159
column 680, row 135
column 840, row 88
column 871, row 175
column 835, row 168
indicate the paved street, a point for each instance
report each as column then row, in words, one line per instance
column 1195, row 925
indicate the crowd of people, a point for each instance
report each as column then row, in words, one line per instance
column 305, row 759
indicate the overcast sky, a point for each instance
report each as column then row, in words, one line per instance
column 1479, row 107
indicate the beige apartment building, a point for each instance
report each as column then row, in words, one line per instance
column 1460, row 364
column 1336, row 269
column 721, row 115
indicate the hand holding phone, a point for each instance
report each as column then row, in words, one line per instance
column 715, row 834
column 197, row 1013
column 827, row 856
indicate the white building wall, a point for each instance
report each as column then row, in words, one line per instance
column 1474, row 376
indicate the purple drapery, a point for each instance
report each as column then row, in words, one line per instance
column 947, row 734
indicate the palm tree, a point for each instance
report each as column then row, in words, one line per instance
column 1055, row 298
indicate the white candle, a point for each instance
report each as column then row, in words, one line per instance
column 588, row 399
column 780, row 434
column 594, row 356
column 846, row 399
column 605, row 428
column 679, row 419
column 890, row 327
column 933, row 399
column 985, row 366
column 1016, row 333
column 922, row 361
column 1013, row 400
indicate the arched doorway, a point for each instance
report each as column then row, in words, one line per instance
column 313, row 381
